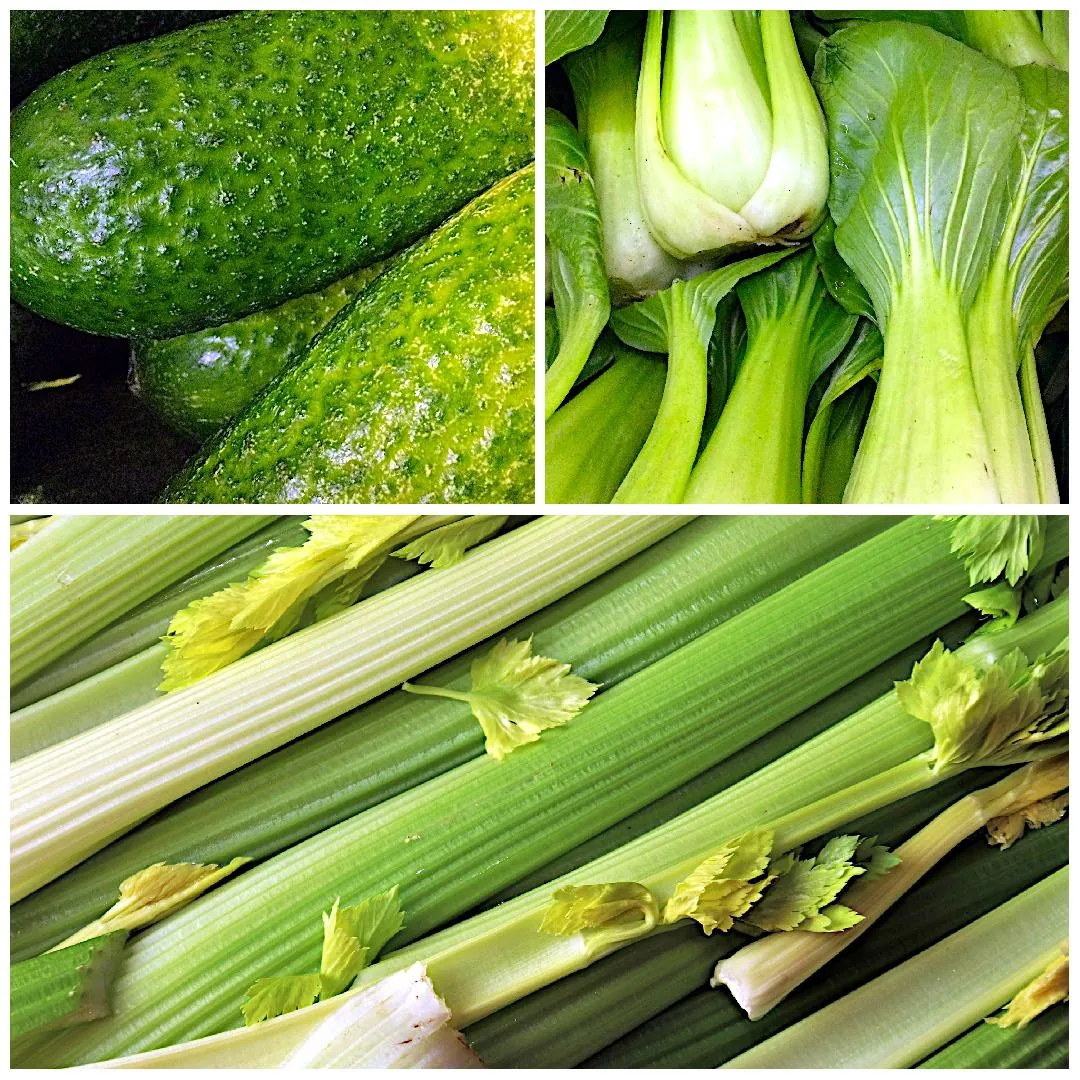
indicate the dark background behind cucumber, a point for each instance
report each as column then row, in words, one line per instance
column 91, row 441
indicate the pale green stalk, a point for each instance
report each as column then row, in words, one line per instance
column 72, row 799
column 902, row 1016
column 761, row 974
column 83, row 572
column 101, row 697
column 662, row 468
column 925, row 439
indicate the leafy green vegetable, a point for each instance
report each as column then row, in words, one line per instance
column 804, row 889
column 950, row 208
column 795, row 331
column 565, row 31
column 152, row 894
column 730, row 137
column 594, row 438
column 575, row 255
column 342, row 552
column 725, row 886
column 1013, row 37
column 516, row 695
column 678, row 321
column 620, row 909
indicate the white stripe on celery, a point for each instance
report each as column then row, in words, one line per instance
column 70, row 800
column 81, row 573
column 761, row 974
column 495, row 958
column 902, row 1016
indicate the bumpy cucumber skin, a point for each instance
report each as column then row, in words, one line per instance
column 188, row 180
column 421, row 391
column 46, row 42
column 196, row 382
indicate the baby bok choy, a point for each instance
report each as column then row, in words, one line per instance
column 795, row 331
column 731, row 145
column 951, row 208
column 679, row 321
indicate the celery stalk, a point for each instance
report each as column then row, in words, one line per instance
column 562, row 1024
column 101, row 697
column 764, row 972
column 458, row 959
column 1043, row 1044
column 83, row 572
column 484, row 824
column 145, row 624
column 706, row 1029
column 913, row 1010
column 633, row 615
column 119, row 773
column 66, row 987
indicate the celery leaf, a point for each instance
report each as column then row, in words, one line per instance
column 516, row 695
column 1008, row 714
column 352, row 939
column 1047, row 989
column 268, row 998
column 996, row 544
column 726, row 885
column 625, row 907
column 212, row 632
column 153, row 893
column 803, row 891
column 447, row 545
column 1000, row 602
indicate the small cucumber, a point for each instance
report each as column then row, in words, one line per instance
column 191, row 179
column 420, row 391
column 196, row 382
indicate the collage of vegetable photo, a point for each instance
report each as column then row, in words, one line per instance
column 384, row 740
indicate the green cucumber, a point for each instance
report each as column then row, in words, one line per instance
column 420, row 391
column 194, row 178
column 44, row 43
column 196, row 382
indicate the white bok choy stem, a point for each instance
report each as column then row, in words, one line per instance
column 760, row 975
column 902, row 1016
column 71, row 799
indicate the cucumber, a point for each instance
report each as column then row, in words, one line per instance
column 420, row 391
column 46, row 42
column 196, row 382
column 191, row 179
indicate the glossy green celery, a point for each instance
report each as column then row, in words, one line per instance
column 475, row 829
column 70, row 986
column 628, row 618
